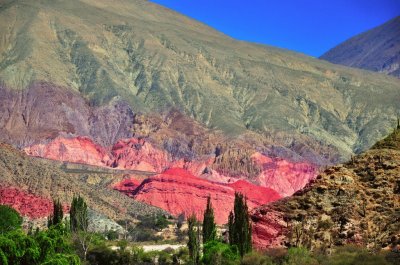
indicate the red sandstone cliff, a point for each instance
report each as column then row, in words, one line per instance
column 284, row 176
column 76, row 150
column 177, row 191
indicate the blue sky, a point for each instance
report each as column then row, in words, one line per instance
column 308, row 26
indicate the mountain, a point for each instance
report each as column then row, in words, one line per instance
column 377, row 50
column 353, row 203
column 113, row 70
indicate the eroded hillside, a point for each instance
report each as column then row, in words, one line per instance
column 102, row 59
column 357, row 202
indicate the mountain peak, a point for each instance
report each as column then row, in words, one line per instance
column 377, row 49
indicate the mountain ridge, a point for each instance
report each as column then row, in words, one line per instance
column 153, row 60
column 376, row 49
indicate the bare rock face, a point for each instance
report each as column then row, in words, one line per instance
column 139, row 155
column 76, row 150
column 44, row 111
column 268, row 228
column 282, row 175
column 177, row 191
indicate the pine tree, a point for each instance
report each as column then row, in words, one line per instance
column 78, row 215
column 240, row 226
column 57, row 216
column 209, row 227
column 194, row 239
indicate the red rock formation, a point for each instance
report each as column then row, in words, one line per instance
column 268, row 227
column 127, row 186
column 177, row 191
column 77, row 150
column 281, row 175
column 25, row 203
column 255, row 194
column 139, row 155
column 284, row 176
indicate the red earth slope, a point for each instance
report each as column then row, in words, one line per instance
column 177, row 191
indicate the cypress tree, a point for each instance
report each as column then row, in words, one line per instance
column 78, row 215
column 209, row 227
column 240, row 226
column 194, row 239
column 57, row 216
column 230, row 227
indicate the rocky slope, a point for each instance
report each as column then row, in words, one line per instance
column 278, row 174
column 86, row 68
column 177, row 191
column 29, row 184
column 377, row 50
column 357, row 202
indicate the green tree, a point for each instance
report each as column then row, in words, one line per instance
column 78, row 215
column 9, row 219
column 79, row 224
column 194, row 239
column 209, row 227
column 18, row 248
column 58, row 215
column 239, row 225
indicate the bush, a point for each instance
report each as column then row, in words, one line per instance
column 216, row 252
column 10, row 219
column 299, row 256
column 45, row 247
column 111, row 235
column 353, row 255
column 155, row 222
column 143, row 235
column 255, row 258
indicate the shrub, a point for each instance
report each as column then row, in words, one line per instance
column 299, row 256
column 216, row 252
column 255, row 258
column 111, row 235
column 353, row 255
